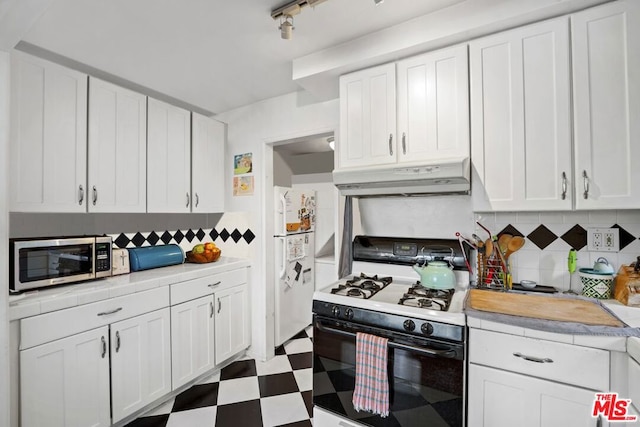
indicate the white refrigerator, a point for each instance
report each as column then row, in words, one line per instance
column 294, row 256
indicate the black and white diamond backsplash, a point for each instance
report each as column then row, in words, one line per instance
column 165, row 237
column 575, row 237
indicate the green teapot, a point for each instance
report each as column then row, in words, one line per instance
column 436, row 275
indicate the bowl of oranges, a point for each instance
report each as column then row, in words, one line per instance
column 203, row 253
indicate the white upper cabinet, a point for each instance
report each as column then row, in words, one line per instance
column 521, row 118
column 168, row 158
column 606, row 87
column 207, row 164
column 117, row 149
column 413, row 111
column 48, row 137
column 433, row 106
column 368, row 117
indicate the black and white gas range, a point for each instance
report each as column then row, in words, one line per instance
column 426, row 329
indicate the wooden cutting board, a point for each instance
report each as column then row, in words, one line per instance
column 542, row 307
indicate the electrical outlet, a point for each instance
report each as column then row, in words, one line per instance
column 603, row 239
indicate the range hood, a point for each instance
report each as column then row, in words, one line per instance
column 444, row 176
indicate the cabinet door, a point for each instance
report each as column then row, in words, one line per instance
column 433, row 105
column 117, row 149
column 368, row 117
column 168, row 158
column 498, row 398
column 207, row 165
column 231, row 322
column 65, row 383
column 140, row 362
column 192, row 344
column 606, row 93
column 520, row 118
column 48, row 137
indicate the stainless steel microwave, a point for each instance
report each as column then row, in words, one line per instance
column 41, row 262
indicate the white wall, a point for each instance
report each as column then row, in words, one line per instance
column 254, row 129
column 4, row 236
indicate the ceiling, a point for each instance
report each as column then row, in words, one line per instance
column 211, row 54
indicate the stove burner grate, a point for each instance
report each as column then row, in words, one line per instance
column 362, row 286
column 434, row 299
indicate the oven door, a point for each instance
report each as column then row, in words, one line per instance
column 426, row 377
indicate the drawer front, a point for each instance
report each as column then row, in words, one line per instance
column 566, row 363
column 59, row 324
column 192, row 289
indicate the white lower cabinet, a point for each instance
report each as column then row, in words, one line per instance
column 504, row 399
column 65, row 383
column 193, row 346
column 231, row 322
column 520, row 381
column 140, row 362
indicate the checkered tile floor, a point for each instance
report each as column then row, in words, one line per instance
column 246, row 393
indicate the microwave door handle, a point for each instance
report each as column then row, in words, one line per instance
column 391, row 344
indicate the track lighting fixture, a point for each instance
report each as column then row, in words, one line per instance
column 286, row 27
column 286, row 13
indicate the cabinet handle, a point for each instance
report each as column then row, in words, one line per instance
column 585, row 180
column 117, row 341
column 213, row 285
column 211, row 307
column 391, row 144
column 404, row 143
column 219, row 305
column 80, row 194
column 197, row 200
column 95, row 195
column 106, row 313
column 533, row 359
column 564, row 186
column 104, row 347
column 187, row 199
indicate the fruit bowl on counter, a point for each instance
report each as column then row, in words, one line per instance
column 204, row 253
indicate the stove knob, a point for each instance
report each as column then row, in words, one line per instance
column 409, row 325
column 427, row 328
column 348, row 313
column 335, row 310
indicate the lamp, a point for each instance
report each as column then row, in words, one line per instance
column 286, row 27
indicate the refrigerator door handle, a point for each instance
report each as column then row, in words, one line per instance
column 283, row 267
column 283, row 202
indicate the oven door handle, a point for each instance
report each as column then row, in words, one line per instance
column 391, row 344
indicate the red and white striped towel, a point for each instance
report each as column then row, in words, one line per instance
column 372, row 384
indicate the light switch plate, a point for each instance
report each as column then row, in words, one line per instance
column 603, row 239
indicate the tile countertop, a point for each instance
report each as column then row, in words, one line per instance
column 629, row 315
column 31, row 303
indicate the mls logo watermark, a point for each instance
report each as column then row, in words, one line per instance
column 612, row 408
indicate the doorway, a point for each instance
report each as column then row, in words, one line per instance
column 304, row 162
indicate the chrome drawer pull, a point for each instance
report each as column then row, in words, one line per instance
column 95, row 195
column 211, row 307
column 404, row 143
column 104, row 347
column 80, row 194
column 564, row 186
column 213, row 285
column 117, row 341
column 188, row 200
column 106, row 313
column 391, row 144
column 533, row 359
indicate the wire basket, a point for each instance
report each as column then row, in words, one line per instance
column 596, row 285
